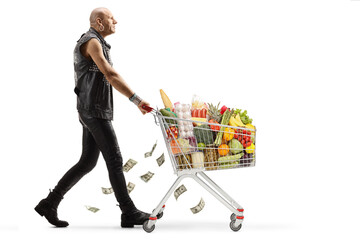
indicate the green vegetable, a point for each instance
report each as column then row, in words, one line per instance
column 235, row 146
column 230, row 159
column 168, row 109
column 201, row 146
column 204, row 134
column 170, row 114
column 243, row 116
column 224, row 121
column 224, row 166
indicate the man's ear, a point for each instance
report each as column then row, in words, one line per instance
column 99, row 21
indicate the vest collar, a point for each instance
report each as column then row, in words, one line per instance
column 93, row 30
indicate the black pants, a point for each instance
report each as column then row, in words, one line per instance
column 98, row 135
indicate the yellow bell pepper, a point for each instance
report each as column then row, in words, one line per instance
column 228, row 134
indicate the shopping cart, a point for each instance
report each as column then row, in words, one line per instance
column 190, row 158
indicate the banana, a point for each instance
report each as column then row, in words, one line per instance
column 238, row 121
column 232, row 122
column 235, row 122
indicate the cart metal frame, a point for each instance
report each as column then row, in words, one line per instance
column 198, row 175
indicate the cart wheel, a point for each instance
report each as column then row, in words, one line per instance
column 159, row 215
column 232, row 226
column 233, row 217
column 148, row 230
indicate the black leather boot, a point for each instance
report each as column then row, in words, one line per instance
column 137, row 217
column 47, row 207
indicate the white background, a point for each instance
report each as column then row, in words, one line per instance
column 293, row 65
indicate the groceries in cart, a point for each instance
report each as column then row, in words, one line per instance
column 205, row 136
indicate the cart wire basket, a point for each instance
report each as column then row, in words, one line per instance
column 195, row 147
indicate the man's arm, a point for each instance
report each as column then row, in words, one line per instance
column 93, row 49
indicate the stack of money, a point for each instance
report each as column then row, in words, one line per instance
column 129, row 165
column 130, row 187
column 92, row 209
column 198, row 207
column 180, row 190
column 160, row 160
column 149, row 154
column 107, row 190
column 146, row 177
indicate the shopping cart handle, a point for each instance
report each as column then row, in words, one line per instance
column 147, row 108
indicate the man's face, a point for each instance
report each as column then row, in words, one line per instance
column 109, row 22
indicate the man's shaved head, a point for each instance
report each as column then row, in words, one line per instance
column 97, row 13
column 102, row 20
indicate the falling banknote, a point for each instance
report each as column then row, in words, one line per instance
column 129, row 165
column 149, row 154
column 180, row 190
column 160, row 160
column 146, row 177
column 198, row 207
column 107, row 190
column 92, row 209
column 130, row 187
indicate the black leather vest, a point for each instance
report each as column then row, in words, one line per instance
column 94, row 92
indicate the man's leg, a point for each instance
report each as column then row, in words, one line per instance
column 104, row 135
column 48, row 207
column 87, row 162
column 105, row 138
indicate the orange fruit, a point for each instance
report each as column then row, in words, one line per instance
column 223, row 149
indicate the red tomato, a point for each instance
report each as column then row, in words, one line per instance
column 213, row 127
column 236, row 136
column 248, row 138
column 243, row 142
column 248, row 144
column 248, row 132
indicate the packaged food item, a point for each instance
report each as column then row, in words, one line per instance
column 197, row 159
column 183, row 162
column 211, row 156
column 198, row 108
column 175, row 146
column 192, row 143
column 197, row 102
column 186, row 129
column 172, row 132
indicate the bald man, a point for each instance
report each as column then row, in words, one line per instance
column 94, row 80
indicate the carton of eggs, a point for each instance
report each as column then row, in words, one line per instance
column 183, row 111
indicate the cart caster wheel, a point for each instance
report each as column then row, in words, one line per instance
column 232, row 226
column 233, row 217
column 148, row 230
column 159, row 215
